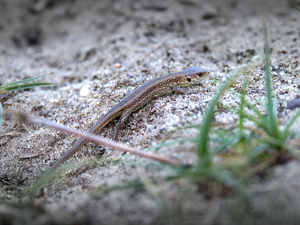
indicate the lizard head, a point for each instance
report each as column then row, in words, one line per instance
column 193, row 76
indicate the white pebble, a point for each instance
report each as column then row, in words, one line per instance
column 84, row 91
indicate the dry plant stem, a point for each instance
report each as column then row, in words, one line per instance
column 262, row 134
column 10, row 134
column 260, row 167
column 92, row 137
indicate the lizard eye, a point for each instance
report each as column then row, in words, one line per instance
column 200, row 74
column 188, row 79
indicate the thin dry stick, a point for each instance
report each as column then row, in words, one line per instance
column 10, row 134
column 92, row 137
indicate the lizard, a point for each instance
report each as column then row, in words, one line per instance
column 139, row 98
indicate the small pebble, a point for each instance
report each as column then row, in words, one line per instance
column 117, row 65
column 295, row 103
column 84, row 91
column 27, row 154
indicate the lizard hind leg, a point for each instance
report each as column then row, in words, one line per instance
column 122, row 119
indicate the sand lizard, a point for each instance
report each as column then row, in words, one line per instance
column 137, row 99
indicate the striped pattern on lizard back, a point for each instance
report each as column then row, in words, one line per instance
column 137, row 99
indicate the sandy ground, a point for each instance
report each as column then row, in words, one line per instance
column 147, row 39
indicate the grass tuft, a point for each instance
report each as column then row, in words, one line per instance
column 25, row 84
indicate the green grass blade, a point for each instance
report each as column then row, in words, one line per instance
column 252, row 107
column 22, row 81
column 256, row 121
column 1, row 112
column 257, row 112
column 26, row 86
column 256, row 150
column 207, row 120
column 275, row 143
column 17, row 83
column 272, row 120
column 233, row 141
column 294, row 5
column 242, row 103
column 286, row 130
